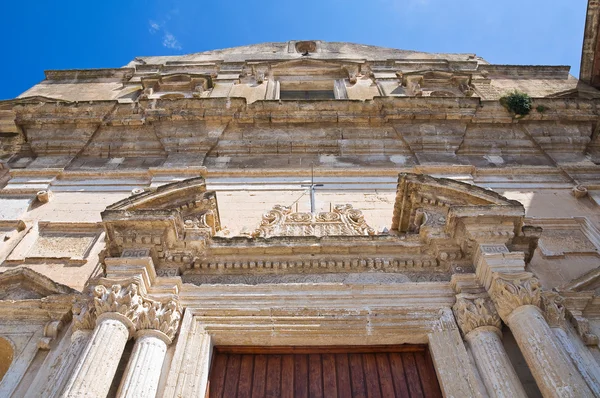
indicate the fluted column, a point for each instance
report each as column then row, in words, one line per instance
column 554, row 312
column 480, row 324
column 517, row 297
column 116, row 311
column 157, row 326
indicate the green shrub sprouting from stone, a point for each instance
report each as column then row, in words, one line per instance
column 541, row 108
column 517, row 102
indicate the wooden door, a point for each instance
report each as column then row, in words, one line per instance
column 381, row 371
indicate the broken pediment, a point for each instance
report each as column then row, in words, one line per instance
column 25, row 284
column 425, row 200
column 163, row 219
column 342, row 221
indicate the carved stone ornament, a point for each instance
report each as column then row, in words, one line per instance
column 124, row 300
column 84, row 315
column 554, row 309
column 511, row 291
column 474, row 311
column 342, row 221
column 164, row 317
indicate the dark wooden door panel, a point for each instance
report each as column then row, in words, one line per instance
column 370, row 372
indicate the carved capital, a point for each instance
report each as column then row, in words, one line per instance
column 164, row 317
column 84, row 315
column 474, row 311
column 554, row 309
column 511, row 291
column 124, row 300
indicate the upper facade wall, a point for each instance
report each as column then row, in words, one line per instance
column 308, row 70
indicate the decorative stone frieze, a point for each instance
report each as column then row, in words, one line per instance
column 511, row 291
column 474, row 311
column 554, row 310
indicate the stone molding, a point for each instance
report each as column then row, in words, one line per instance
column 553, row 306
column 125, row 302
column 473, row 311
column 511, row 291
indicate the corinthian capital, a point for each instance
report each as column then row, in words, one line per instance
column 163, row 317
column 474, row 311
column 124, row 300
column 511, row 291
column 553, row 307
column 84, row 315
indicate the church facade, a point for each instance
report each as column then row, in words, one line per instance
column 303, row 219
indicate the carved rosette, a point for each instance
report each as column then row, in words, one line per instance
column 474, row 311
column 554, row 309
column 163, row 317
column 511, row 291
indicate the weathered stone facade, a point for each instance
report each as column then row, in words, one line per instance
column 299, row 194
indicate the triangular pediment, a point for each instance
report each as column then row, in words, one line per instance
column 25, row 284
column 448, row 198
column 175, row 196
column 163, row 219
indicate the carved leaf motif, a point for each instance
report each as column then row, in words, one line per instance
column 123, row 300
column 84, row 315
column 472, row 312
column 553, row 307
column 161, row 317
column 511, row 291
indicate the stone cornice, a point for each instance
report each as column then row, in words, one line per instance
column 378, row 110
column 78, row 75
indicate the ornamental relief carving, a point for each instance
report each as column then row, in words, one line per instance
column 511, row 291
column 126, row 300
column 158, row 316
column 474, row 311
column 344, row 220
column 554, row 309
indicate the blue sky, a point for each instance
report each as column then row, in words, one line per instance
column 68, row 34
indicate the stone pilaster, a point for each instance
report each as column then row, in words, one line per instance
column 157, row 325
column 518, row 297
column 457, row 376
column 480, row 324
column 553, row 306
column 115, row 310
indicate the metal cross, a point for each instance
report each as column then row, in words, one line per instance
column 312, row 187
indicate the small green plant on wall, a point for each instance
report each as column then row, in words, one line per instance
column 517, row 102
